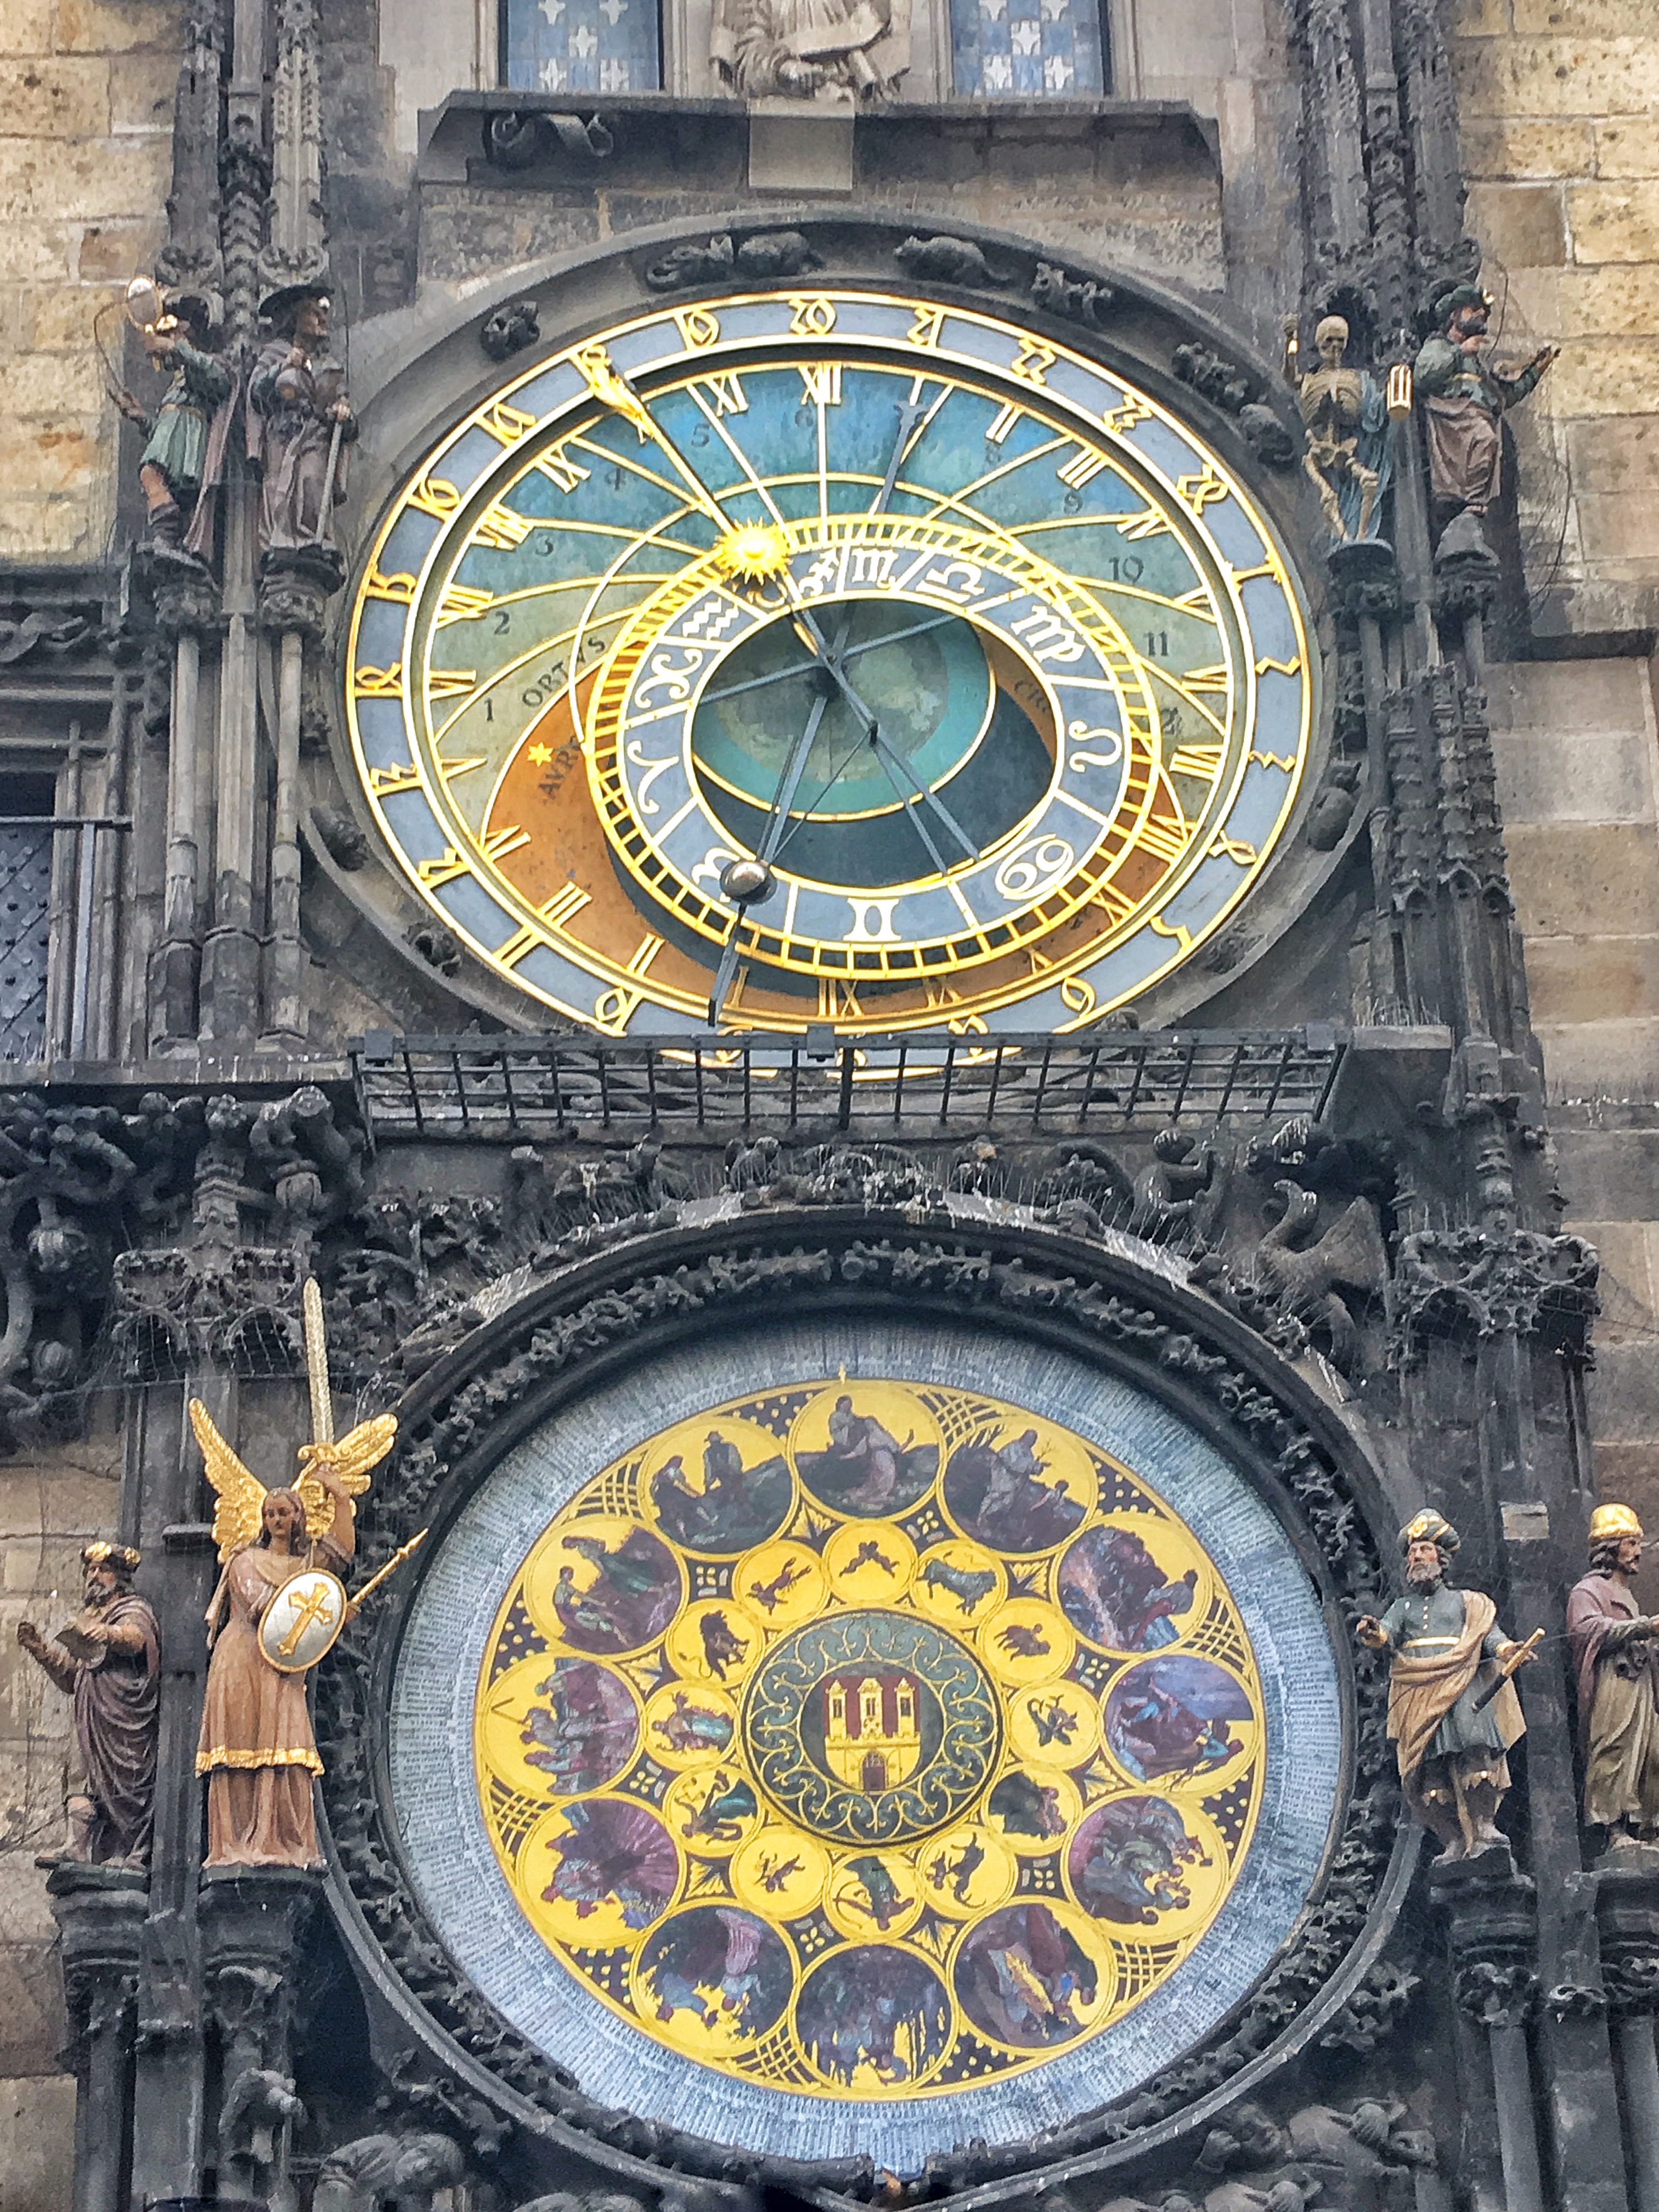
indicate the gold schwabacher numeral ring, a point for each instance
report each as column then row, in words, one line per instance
column 998, row 671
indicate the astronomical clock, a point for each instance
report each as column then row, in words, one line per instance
column 826, row 656
column 864, row 1731
column 835, row 954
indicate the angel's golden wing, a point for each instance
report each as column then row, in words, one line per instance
column 350, row 1460
column 241, row 1495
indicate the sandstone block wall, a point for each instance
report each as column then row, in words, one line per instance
column 85, row 119
column 1577, row 753
column 1561, row 148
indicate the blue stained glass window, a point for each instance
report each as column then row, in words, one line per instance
column 581, row 45
column 1026, row 48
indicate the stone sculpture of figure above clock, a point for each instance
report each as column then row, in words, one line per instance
column 186, row 439
column 829, row 51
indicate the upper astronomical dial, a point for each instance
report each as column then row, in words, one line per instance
column 996, row 672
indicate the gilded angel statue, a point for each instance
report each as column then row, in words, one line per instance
column 257, row 1748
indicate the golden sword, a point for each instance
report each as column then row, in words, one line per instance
column 1507, row 1666
column 322, row 1398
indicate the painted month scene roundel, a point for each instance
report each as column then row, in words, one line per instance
column 875, row 1757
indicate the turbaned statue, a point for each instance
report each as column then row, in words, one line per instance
column 1453, row 1712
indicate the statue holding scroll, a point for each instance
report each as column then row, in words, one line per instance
column 829, row 51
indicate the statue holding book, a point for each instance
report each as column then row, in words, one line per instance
column 108, row 1660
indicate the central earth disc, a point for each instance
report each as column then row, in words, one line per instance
column 955, row 721
column 872, row 1727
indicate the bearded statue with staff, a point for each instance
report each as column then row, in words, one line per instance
column 279, row 1606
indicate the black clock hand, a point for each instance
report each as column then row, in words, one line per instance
column 906, row 801
column 759, row 682
column 789, row 783
column 897, row 637
column 893, row 763
column 829, row 659
column 910, row 413
column 771, row 837
column 821, row 658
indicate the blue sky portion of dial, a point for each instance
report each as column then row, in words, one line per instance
column 777, row 434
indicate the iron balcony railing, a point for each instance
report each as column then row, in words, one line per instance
column 547, row 1086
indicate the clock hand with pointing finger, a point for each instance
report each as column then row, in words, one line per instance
column 608, row 384
column 910, row 412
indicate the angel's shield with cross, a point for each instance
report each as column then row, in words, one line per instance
column 302, row 1621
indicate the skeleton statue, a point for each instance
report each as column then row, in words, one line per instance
column 1346, row 422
